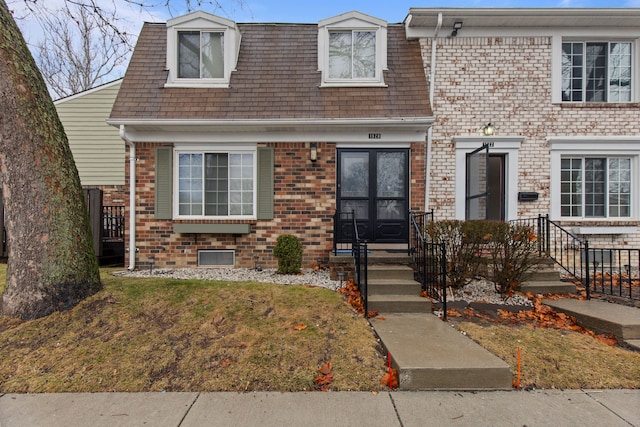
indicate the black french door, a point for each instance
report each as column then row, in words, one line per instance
column 373, row 183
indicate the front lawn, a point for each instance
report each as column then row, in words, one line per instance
column 188, row 335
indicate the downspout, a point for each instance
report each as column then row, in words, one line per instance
column 132, row 198
column 432, row 82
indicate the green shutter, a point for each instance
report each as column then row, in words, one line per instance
column 164, row 183
column 265, row 183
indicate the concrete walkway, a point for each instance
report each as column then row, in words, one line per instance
column 603, row 317
column 269, row 409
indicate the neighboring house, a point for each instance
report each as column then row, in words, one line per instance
column 561, row 89
column 239, row 133
column 97, row 147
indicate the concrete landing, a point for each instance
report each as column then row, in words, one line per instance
column 603, row 317
column 548, row 287
column 431, row 355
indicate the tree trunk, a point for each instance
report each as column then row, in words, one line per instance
column 51, row 262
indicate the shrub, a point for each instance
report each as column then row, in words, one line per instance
column 288, row 251
column 512, row 250
column 461, row 244
column 500, row 252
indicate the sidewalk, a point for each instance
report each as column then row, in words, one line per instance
column 270, row 409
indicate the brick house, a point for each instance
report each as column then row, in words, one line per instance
column 238, row 133
column 561, row 90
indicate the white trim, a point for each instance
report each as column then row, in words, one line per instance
column 605, row 230
column 404, row 130
column 509, row 146
column 203, row 149
column 87, row 92
column 585, row 146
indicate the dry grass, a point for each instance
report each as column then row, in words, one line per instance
column 561, row 359
column 161, row 334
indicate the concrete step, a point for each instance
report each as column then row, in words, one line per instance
column 431, row 355
column 380, row 272
column 394, row 287
column 544, row 274
column 399, row 304
column 633, row 344
column 548, row 287
column 602, row 317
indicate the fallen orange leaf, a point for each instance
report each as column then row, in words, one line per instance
column 300, row 327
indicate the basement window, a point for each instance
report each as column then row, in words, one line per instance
column 216, row 258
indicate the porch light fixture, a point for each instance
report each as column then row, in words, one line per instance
column 313, row 152
column 456, row 26
column 488, row 129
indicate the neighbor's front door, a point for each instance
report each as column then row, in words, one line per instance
column 373, row 183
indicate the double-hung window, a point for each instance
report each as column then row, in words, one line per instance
column 352, row 54
column 200, row 55
column 597, row 71
column 595, row 187
column 216, row 184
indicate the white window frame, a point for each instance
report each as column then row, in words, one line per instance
column 596, row 36
column 205, row 149
column 354, row 22
column 504, row 145
column 582, row 147
column 202, row 22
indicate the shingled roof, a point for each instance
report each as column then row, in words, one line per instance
column 277, row 77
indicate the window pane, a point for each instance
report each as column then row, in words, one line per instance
column 572, row 59
column 594, row 182
column 620, row 72
column 216, row 184
column 190, row 184
column 596, row 72
column 340, row 55
column 212, row 55
column 189, row 54
column 364, row 54
column 570, row 187
column 619, row 187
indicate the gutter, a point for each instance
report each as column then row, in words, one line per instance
column 432, row 81
column 132, row 198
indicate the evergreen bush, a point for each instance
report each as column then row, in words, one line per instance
column 288, row 251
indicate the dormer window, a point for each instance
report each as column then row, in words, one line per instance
column 352, row 50
column 202, row 50
column 200, row 55
column 352, row 54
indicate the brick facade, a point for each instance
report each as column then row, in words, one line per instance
column 304, row 205
column 507, row 81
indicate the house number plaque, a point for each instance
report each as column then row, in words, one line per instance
column 375, row 136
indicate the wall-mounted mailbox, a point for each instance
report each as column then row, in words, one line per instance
column 527, row 196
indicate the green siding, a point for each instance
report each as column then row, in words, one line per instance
column 164, row 183
column 98, row 150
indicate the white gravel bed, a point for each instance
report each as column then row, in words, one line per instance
column 307, row 277
column 476, row 291
column 484, row 291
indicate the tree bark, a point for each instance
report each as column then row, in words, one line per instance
column 51, row 262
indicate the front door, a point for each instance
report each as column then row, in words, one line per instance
column 373, row 183
column 485, row 185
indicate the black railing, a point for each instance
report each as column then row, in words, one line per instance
column 359, row 249
column 343, row 231
column 112, row 223
column 429, row 259
column 608, row 271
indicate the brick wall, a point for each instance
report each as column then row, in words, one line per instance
column 507, row 81
column 304, row 205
